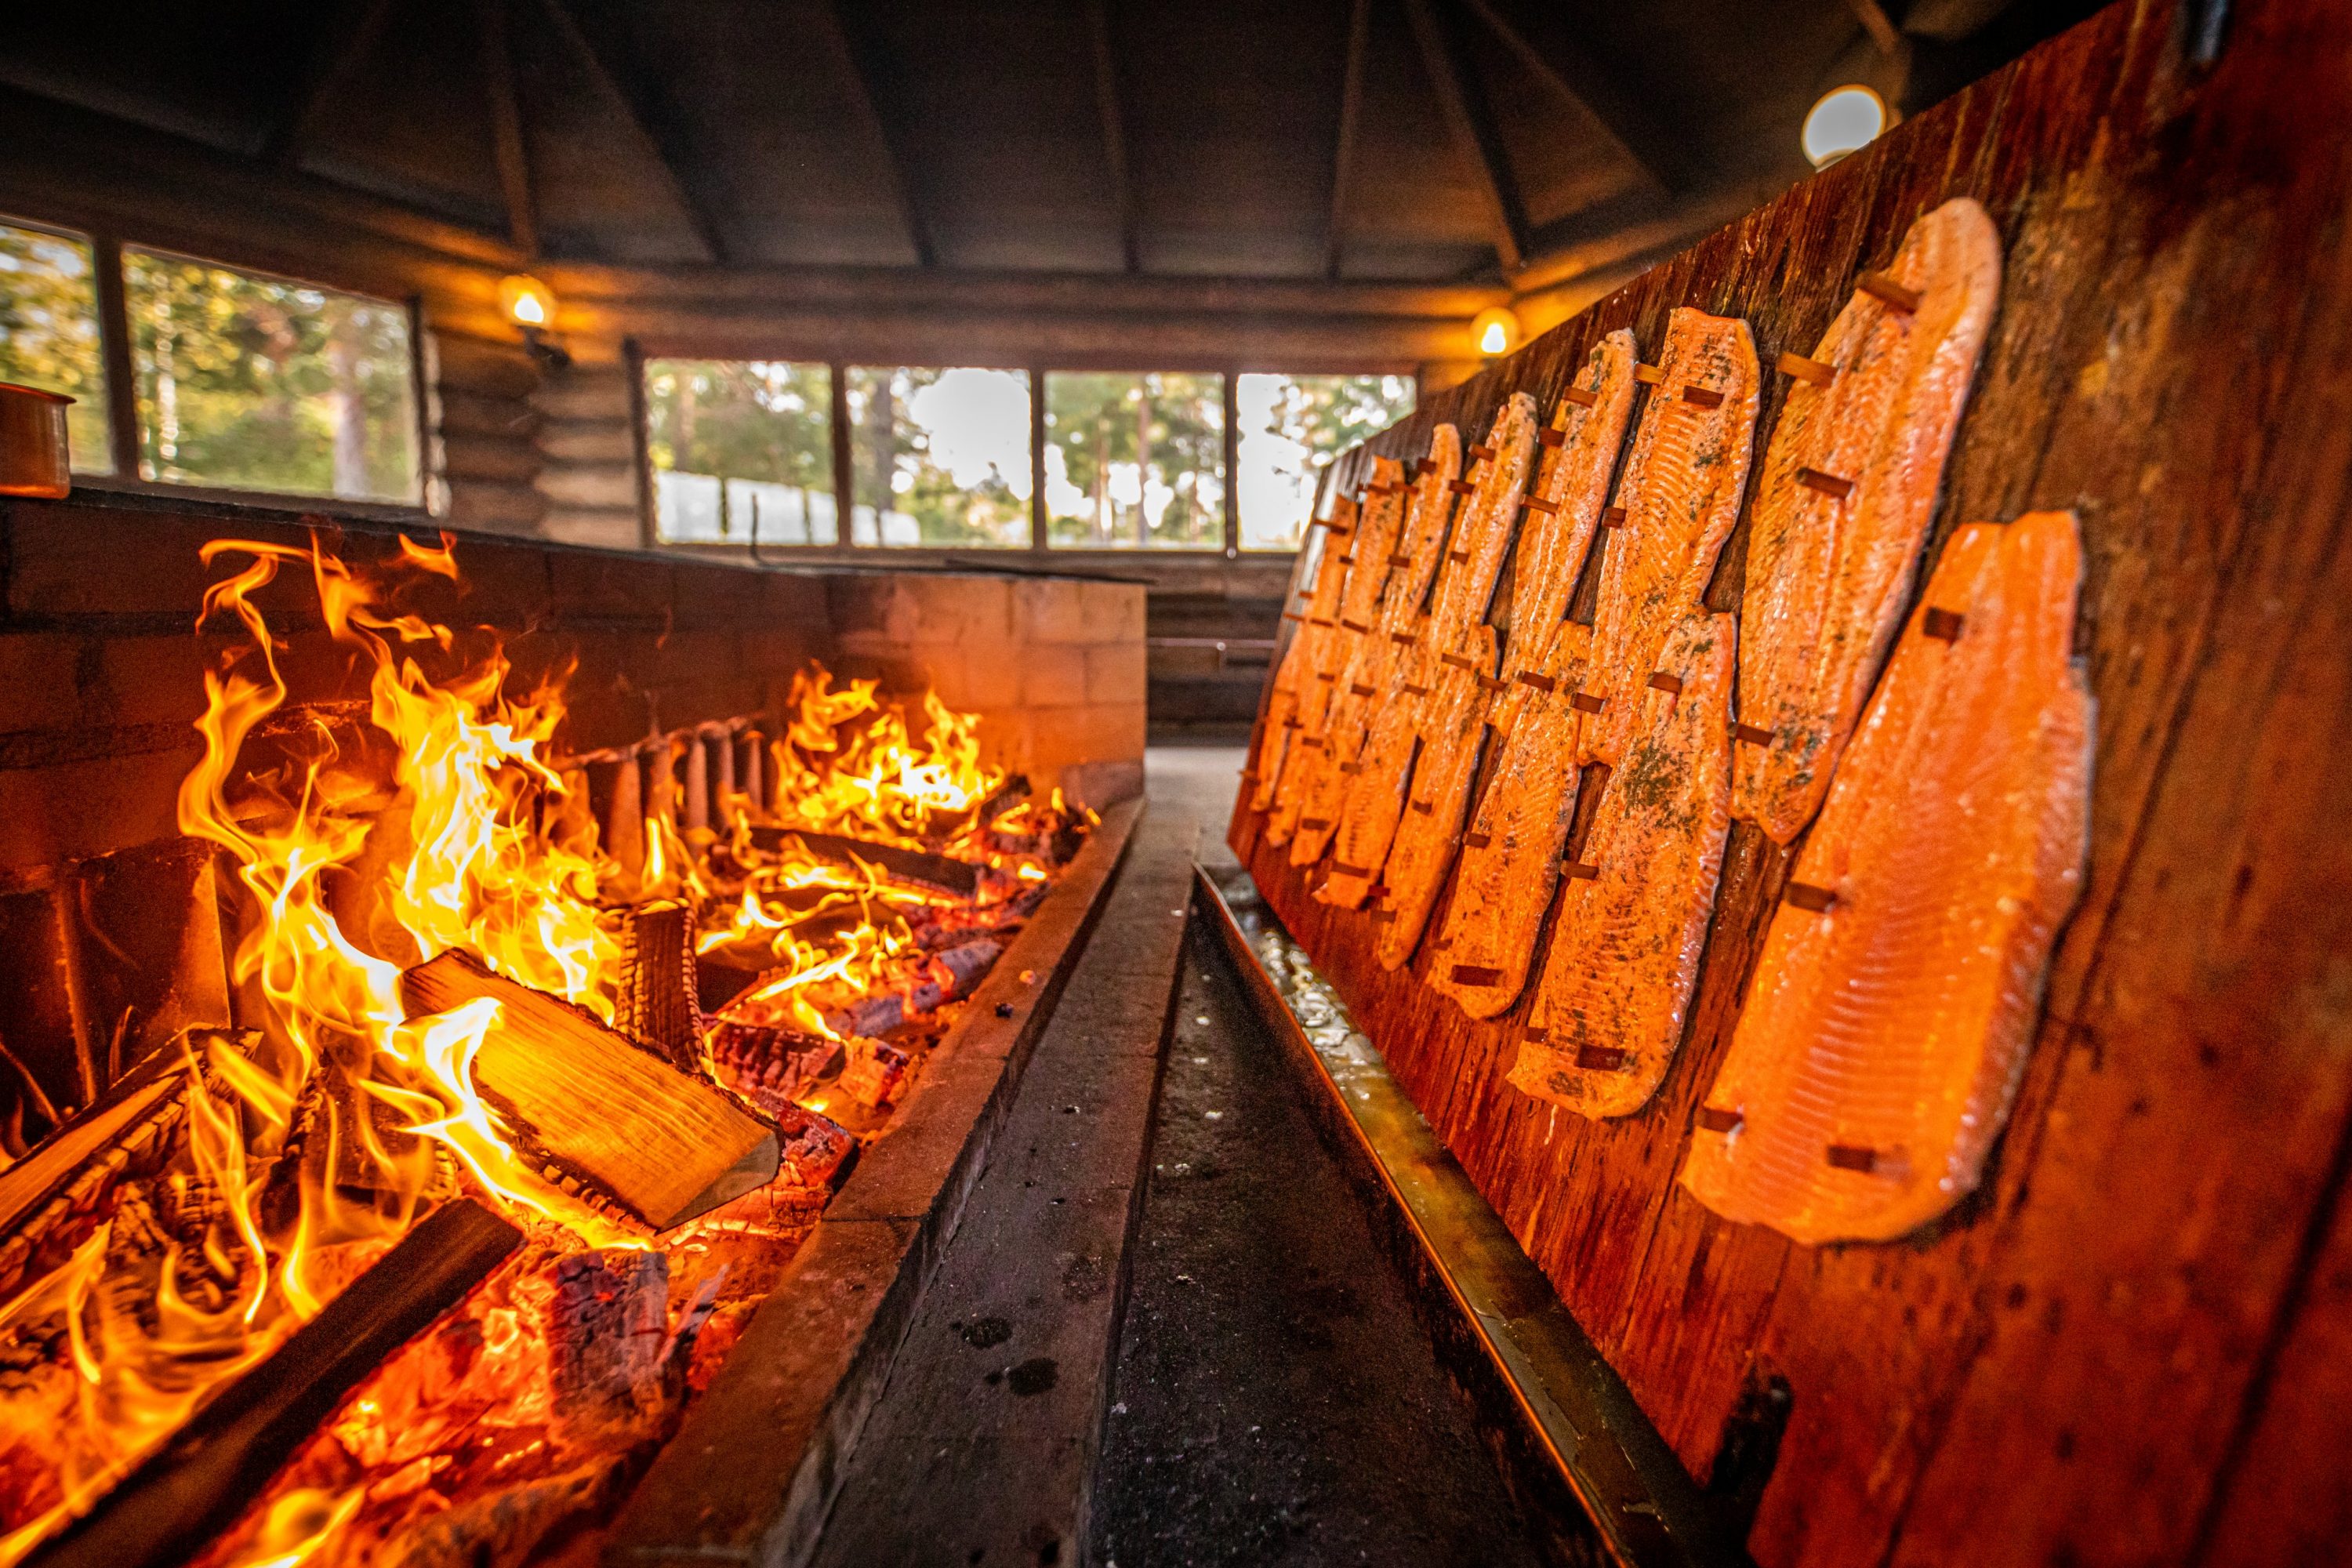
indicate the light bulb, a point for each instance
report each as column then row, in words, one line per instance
column 1496, row 331
column 527, row 301
column 1845, row 120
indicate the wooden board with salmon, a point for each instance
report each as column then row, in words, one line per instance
column 1431, row 831
column 1279, row 725
column 1675, row 507
column 1894, row 1002
column 1371, row 676
column 1511, row 857
column 1842, row 504
column 1609, row 1013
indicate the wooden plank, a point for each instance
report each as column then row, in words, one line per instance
column 2062, row 1369
column 1343, row 140
column 958, row 877
column 1480, row 139
column 506, row 126
column 665, row 1146
column 220, row 1460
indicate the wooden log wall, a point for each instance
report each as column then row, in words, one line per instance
column 2130, row 1345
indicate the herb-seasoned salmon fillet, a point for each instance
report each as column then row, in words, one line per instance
column 1320, row 610
column 1431, row 832
column 1609, row 1012
column 1894, row 1003
column 1681, row 495
column 1843, row 507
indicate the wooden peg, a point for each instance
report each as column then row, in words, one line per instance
column 1805, row 896
column 1582, row 398
column 1476, row 975
column 1580, row 870
column 1459, row 557
column 1702, row 396
column 1649, row 374
column 1713, row 1119
column 1404, row 638
column 1461, row 487
column 1487, row 682
column 1455, row 660
column 1382, row 917
column 1478, row 454
column 1321, row 621
column 1585, row 703
column 1537, row 503
column 1357, row 627
column 1410, row 689
column 1348, row 559
column 1879, row 285
column 1612, row 517
column 1327, row 676
column 1829, row 485
column 1400, row 561
column 1602, row 1058
column 1352, row 769
column 1751, row 733
column 1852, row 1157
column 1341, row 868
column 1423, row 808
column 1477, row 840
column 1312, row 824
column 1356, row 689
column 1672, row 685
column 1312, row 742
column 1291, row 616
column 1294, row 723
column 1811, row 371
column 1541, row 682
column 1943, row 624
column 1535, row 1032
column 1554, row 438
column 1424, row 468
column 1337, row 532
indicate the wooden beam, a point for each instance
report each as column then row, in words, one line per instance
column 1557, row 55
column 332, row 63
column 1122, row 182
column 1343, row 151
column 1472, row 120
column 827, row 15
column 633, row 120
column 506, row 128
column 219, row 1462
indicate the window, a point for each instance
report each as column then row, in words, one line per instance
column 741, row 450
column 255, row 383
column 1291, row 427
column 1135, row 460
column 940, row 457
column 50, row 333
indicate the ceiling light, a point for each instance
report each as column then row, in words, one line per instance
column 1496, row 331
column 1846, row 118
column 527, row 301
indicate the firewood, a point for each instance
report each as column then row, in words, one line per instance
column 952, row 972
column 187, row 1489
column 662, row 1144
column 876, row 1072
column 659, row 1002
column 604, row 1313
column 50, row 1199
column 936, row 871
column 768, row 1064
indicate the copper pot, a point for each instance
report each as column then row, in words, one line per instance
column 34, row 460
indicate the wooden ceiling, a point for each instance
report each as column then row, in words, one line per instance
column 1389, row 140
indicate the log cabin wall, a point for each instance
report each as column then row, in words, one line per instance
column 2130, row 1345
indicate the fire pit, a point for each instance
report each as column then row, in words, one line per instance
column 533, row 1072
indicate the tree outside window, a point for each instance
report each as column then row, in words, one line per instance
column 49, row 334
column 940, row 457
column 1291, row 428
column 1135, row 460
column 741, row 450
column 248, row 382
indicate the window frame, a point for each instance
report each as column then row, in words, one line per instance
column 106, row 242
column 637, row 352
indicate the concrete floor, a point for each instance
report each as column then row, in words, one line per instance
column 1273, row 1397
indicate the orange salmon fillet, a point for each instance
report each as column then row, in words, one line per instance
column 1843, row 507
column 1681, row 495
column 1510, row 858
column 1432, row 829
column 1609, row 1012
column 1894, row 1003
column 1321, row 610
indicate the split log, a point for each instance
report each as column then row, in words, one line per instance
column 935, row 871
column 952, row 972
column 662, row 1144
column 192, row 1486
column 768, row 1064
column 659, row 1001
column 51, row 1197
column 876, row 1072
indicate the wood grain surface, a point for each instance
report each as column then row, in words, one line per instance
column 2117, row 1351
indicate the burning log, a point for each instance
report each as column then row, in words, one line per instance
column 952, row 973
column 195, row 1483
column 658, row 1002
column 876, row 1073
column 662, row 1144
column 936, row 871
column 51, row 1197
column 768, row 1064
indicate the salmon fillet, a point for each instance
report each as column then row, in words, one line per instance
column 1609, row 1012
column 1320, row 609
column 1368, row 681
column 1843, row 506
column 1894, row 1003
column 1681, row 495
column 1367, row 563
column 1487, row 524
column 1510, row 858
column 1431, row 831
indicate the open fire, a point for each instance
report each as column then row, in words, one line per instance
column 450, row 930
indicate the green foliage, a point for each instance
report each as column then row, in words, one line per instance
column 1175, row 422
column 48, row 332
column 901, row 466
column 742, row 420
column 255, row 383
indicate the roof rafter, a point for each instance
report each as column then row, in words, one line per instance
column 332, row 65
column 894, row 158
column 1570, row 69
column 1122, row 180
column 506, row 128
column 1472, row 120
column 1343, row 151
column 706, row 233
